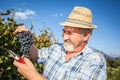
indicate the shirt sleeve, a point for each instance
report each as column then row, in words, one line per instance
column 43, row 54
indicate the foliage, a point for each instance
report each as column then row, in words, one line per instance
column 113, row 69
column 45, row 39
column 9, row 41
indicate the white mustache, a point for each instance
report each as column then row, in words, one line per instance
column 68, row 42
column 68, row 45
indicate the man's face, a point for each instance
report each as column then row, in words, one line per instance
column 72, row 38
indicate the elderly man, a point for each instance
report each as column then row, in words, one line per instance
column 73, row 60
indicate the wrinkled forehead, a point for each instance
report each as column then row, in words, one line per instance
column 72, row 29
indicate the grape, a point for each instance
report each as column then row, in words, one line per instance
column 26, row 40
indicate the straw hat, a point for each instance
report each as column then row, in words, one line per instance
column 80, row 17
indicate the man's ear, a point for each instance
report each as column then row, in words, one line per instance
column 87, row 36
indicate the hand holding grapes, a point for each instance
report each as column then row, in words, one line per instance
column 25, row 38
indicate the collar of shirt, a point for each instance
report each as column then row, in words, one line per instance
column 85, row 51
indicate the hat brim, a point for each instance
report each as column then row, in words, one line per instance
column 78, row 25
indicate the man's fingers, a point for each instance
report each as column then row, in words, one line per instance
column 27, row 61
column 16, row 63
column 20, row 29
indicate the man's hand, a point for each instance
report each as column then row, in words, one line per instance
column 28, row 70
column 21, row 29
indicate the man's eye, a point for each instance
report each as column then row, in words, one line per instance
column 68, row 32
column 64, row 31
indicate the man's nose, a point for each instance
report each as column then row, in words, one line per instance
column 65, row 36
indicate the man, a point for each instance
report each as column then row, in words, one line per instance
column 73, row 60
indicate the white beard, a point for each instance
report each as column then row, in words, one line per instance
column 68, row 47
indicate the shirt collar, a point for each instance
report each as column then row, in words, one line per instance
column 85, row 51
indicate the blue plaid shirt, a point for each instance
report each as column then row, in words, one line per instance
column 87, row 65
